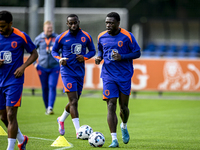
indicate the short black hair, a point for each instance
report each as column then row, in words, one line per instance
column 72, row 15
column 6, row 16
column 115, row 15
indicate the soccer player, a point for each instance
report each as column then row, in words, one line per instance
column 12, row 44
column 47, row 67
column 73, row 44
column 118, row 48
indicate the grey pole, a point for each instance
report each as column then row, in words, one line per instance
column 33, row 18
column 49, row 10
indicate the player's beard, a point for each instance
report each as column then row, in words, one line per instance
column 7, row 32
column 74, row 31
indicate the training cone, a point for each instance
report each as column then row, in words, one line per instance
column 2, row 131
column 61, row 142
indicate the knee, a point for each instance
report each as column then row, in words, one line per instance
column 74, row 102
column 124, row 109
column 111, row 106
column 44, row 87
column 52, row 87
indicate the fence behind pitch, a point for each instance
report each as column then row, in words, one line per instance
column 92, row 20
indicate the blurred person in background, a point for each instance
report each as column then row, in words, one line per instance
column 47, row 67
column 118, row 48
column 12, row 67
column 74, row 44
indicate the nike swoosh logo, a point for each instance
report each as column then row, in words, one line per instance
column 67, row 40
column 12, row 102
column 104, row 43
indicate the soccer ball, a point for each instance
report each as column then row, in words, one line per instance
column 84, row 132
column 96, row 139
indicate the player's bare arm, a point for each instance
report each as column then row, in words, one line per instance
column 1, row 62
column 20, row 71
column 98, row 60
column 116, row 56
column 80, row 58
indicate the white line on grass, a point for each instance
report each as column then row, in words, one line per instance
column 40, row 138
column 51, row 140
column 63, row 148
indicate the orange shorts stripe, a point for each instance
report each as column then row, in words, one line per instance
column 18, row 102
column 104, row 97
column 66, row 90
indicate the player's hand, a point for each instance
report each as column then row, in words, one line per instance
column 97, row 60
column 1, row 62
column 80, row 58
column 116, row 56
column 19, row 71
column 63, row 61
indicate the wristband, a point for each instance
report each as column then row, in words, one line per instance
column 62, row 59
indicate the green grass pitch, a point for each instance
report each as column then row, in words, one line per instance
column 154, row 124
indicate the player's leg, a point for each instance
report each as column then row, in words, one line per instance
column 112, row 120
column 124, row 114
column 43, row 75
column 3, row 116
column 110, row 95
column 124, row 110
column 111, row 116
column 73, row 101
column 62, row 118
column 71, row 88
column 76, row 96
column 12, row 126
column 22, row 140
column 125, row 88
column 13, row 96
column 71, row 108
column 75, row 117
column 67, row 110
column 20, row 137
column 52, row 82
column 13, row 101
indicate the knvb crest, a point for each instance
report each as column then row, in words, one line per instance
column 6, row 56
column 76, row 48
column 14, row 44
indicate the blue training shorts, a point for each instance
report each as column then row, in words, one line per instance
column 72, row 84
column 10, row 96
column 111, row 89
